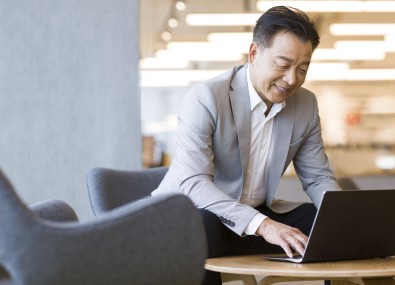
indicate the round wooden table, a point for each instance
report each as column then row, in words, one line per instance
column 367, row 271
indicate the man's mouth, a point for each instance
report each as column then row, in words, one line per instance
column 281, row 89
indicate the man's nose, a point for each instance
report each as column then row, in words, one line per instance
column 290, row 77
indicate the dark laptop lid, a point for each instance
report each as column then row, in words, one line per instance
column 354, row 224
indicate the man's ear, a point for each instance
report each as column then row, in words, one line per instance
column 252, row 53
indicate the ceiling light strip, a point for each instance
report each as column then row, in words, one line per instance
column 230, row 19
column 366, row 29
column 179, row 78
column 347, row 54
column 230, row 37
column 332, row 6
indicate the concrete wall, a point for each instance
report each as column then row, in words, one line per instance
column 69, row 95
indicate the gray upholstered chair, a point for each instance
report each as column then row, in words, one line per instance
column 111, row 188
column 138, row 243
column 347, row 183
column 53, row 210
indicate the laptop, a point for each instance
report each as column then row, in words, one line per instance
column 352, row 224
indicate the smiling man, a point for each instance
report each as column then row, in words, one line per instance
column 237, row 134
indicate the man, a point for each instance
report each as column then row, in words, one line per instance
column 237, row 134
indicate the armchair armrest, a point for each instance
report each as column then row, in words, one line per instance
column 54, row 210
column 155, row 240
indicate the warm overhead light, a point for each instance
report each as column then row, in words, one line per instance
column 347, row 54
column 379, row 6
column 163, row 63
column 205, row 51
column 337, row 72
column 234, row 19
column 314, row 6
column 175, row 78
column 180, row 5
column 332, row 6
column 213, row 56
column 207, row 47
column 323, row 71
column 361, row 29
column 230, row 37
column 390, row 38
column 235, row 41
column 154, row 78
column 166, row 36
column 386, row 74
column 172, row 22
column 383, row 46
column 385, row 162
column 356, row 75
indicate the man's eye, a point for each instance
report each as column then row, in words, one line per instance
column 281, row 66
column 304, row 69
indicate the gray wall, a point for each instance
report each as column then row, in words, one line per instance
column 69, row 95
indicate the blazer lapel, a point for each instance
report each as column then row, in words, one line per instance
column 240, row 102
column 282, row 132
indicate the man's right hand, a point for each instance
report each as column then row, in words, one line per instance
column 283, row 235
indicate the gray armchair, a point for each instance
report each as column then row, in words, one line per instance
column 109, row 189
column 120, row 247
column 347, row 183
column 55, row 210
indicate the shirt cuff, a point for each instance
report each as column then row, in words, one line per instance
column 254, row 224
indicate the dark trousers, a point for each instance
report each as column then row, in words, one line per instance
column 222, row 241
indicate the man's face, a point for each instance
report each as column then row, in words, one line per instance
column 277, row 71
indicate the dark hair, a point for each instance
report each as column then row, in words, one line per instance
column 282, row 18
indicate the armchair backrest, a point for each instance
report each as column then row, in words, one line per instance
column 111, row 188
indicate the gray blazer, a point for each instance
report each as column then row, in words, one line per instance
column 213, row 147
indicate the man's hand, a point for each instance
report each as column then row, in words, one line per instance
column 285, row 236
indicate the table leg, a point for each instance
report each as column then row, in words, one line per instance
column 246, row 279
column 276, row 279
column 268, row 280
column 348, row 281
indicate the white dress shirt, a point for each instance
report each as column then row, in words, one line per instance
column 254, row 192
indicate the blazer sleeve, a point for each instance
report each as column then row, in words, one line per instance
column 192, row 170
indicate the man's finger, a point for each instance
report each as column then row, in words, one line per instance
column 297, row 246
column 301, row 237
column 285, row 246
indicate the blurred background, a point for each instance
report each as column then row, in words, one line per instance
column 99, row 83
column 352, row 71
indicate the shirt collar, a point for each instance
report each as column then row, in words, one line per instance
column 255, row 99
